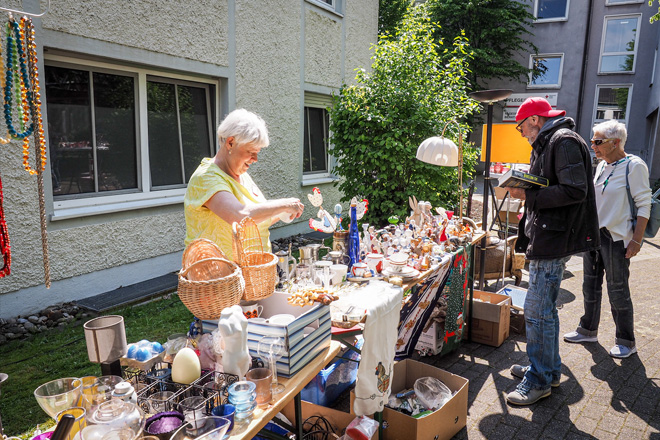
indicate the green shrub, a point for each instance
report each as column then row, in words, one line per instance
column 414, row 89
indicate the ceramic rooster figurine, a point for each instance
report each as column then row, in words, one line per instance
column 360, row 207
column 325, row 221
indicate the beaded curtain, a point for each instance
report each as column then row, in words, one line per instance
column 19, row 79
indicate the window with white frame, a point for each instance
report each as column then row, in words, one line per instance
column 335, row 6
column 547, row 70
column 618, row 47
column 612, row 102
column 551, row 10
column 316, row 161
column 119, row 135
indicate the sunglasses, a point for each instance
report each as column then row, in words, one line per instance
column 597, row 142
column 519, row 126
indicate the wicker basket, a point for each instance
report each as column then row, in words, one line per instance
column 259, row 267
column 208, row 281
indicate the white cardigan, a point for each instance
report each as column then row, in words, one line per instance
column 612, row 201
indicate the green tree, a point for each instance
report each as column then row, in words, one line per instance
column 414, row 88
column 390, row 14
column 655, row 17
column 496, row 30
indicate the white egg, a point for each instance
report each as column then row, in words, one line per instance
column 186, row 367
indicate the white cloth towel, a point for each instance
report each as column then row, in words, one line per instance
column 383, row 304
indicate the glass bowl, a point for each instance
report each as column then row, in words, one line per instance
column 58, row 395
column 207, row 428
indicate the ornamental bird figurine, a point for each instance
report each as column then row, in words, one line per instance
column 360, row 207
column 325, row 222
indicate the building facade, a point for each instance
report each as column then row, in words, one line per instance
column 600, row 59
column 132, row 94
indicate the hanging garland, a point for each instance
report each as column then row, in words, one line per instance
column 4, row 241
column 19, row 79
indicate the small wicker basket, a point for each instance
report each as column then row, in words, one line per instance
column 208, row 281
column 259, row 267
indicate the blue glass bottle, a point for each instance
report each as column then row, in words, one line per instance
column 353, row 238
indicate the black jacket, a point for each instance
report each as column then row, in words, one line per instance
column 560, row 219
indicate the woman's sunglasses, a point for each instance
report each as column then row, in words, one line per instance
column 597, row 142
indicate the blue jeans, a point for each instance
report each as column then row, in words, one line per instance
column 610, row 261
column 542, row 323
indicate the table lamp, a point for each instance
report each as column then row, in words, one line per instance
column 106, row 342
column 487, row 97
column 444, row 152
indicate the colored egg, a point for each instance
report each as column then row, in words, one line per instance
column 156, row 347
column 143, row 354
column 132, row 351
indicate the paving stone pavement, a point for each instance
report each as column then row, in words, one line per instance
column 600, row 397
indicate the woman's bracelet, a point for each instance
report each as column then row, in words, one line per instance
column 633, row 240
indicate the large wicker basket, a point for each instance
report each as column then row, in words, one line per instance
column 259, row 267
column 208, row 281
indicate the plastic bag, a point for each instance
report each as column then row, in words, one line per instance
column 361, row 428
column 432, row 392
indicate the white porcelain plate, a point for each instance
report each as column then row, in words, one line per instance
column 407, row 273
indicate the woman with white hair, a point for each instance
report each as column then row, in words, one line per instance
column 619, row 242
column 221, row 192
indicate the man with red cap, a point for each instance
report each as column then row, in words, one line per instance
column 560, row 220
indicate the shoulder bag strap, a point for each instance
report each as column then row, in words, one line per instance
column 631, row 202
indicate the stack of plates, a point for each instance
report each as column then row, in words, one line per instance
column 407, row 273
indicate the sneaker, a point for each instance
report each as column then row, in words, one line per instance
column 519, row 371
column 579, row 337
column 523, row 396
column 621, row 351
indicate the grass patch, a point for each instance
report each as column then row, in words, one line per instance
column 62, row 352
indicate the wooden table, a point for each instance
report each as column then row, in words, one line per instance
column 292, row 389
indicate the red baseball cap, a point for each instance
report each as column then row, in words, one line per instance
column 537, row 106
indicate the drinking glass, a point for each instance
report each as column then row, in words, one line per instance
column 272, row 348
column 262, row 379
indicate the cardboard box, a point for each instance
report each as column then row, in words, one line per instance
column 492, row 317
column 518, row 322
column 517, row 294
column 431, row 340
column 443, row 423
column 338, row 419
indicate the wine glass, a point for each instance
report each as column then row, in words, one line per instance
column 272, row 348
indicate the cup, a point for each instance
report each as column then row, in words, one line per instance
column 359, row 269
column 262, row 379
column 160, row 402
column 252, row 310
column 397, row 262
column 192, row 409
column 375, row 262
column 79, row 423
column 339, row 272
column 227, row 411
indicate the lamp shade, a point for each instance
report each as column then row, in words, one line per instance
column 438, row 150
column 106, row 338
